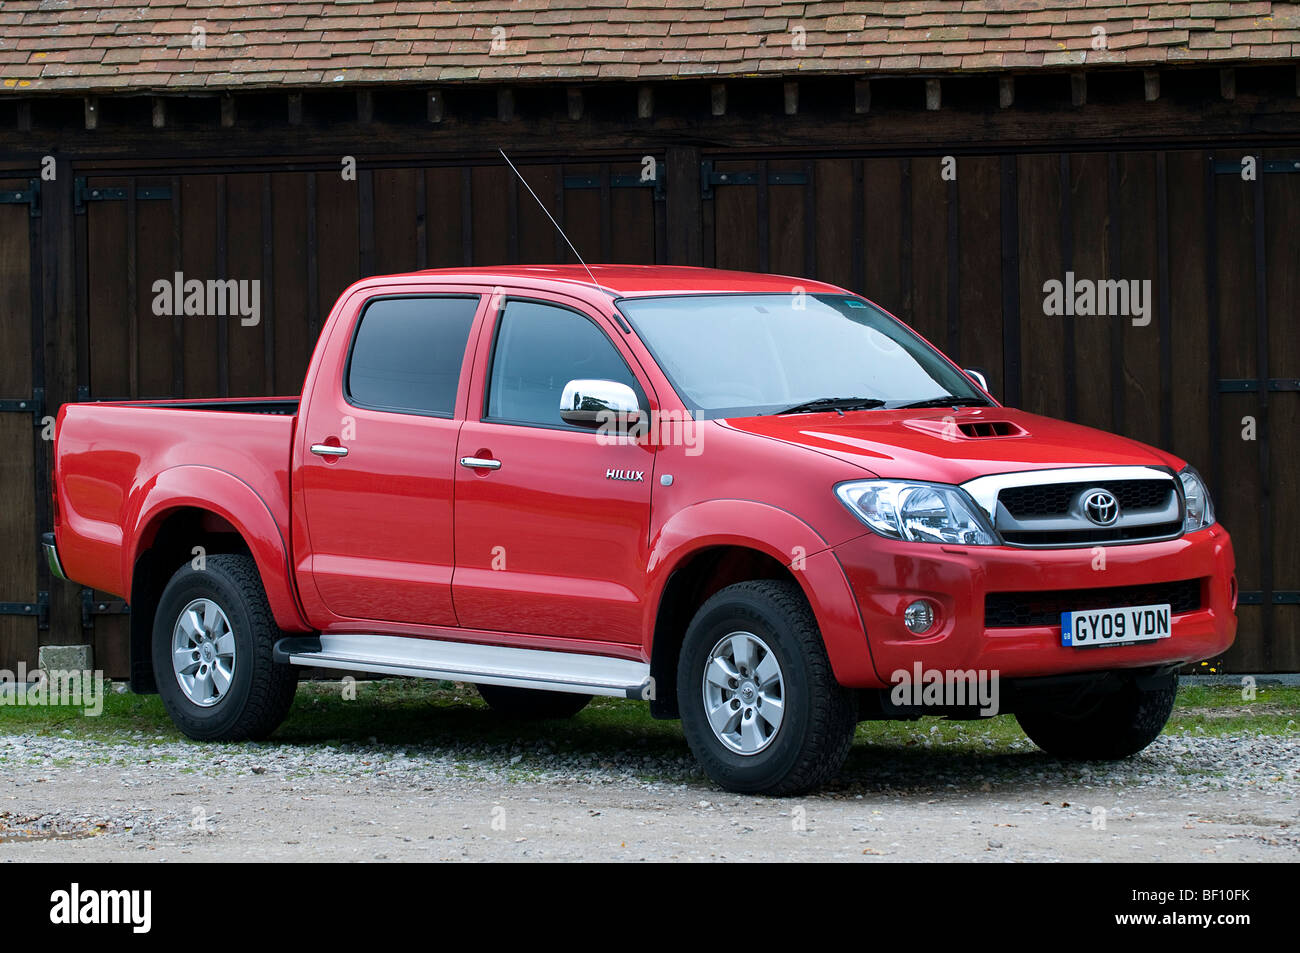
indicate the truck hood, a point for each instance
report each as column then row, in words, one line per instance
column 952, row 446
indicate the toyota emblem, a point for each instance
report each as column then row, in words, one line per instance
column 1101, row 507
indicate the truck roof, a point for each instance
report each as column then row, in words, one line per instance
column 624, row 281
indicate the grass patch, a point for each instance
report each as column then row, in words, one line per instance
column 415, row 713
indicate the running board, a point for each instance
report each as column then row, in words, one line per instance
column 469, row 662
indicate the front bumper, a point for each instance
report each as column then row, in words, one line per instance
column 887, row 575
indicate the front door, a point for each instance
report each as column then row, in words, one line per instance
column 552, row 520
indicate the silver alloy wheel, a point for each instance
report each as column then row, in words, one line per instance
column 203, row 652
column 744, row 693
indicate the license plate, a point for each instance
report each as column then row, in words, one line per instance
column 1087, row 628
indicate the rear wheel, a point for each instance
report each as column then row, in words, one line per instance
column 532, row 703
column 760, row 706
column 213, row 636
column 1115, row 726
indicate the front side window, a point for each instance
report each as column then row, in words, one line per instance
column 747, row 354
column 407, row 354
column 540, row 348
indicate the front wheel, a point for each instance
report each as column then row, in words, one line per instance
column 213, row 636
column 760, row 706
column 1116, row 726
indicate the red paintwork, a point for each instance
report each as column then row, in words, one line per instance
column 397, row 538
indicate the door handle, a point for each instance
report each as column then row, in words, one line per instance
column 479, row 463
column 328, row 450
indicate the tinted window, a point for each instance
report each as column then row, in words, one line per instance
column 408, row 352
column 539, row 349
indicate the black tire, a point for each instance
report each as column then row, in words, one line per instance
column 532, row 703
column 815, row 734
column 260, row 690
column 1116, row 726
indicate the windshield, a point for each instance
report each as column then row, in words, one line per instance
column 744, row 355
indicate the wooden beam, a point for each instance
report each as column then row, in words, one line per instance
column 227, row 111
column 25, row 115
column 791, row 98
column 435, row 105
column 683, row 207
column 1150, row 85
column 505, row 104
column 1006, row 91
column 645, row 102
column 92, row 112
column 933, row 95
column 718, row 99
column 365, row 106
column 574, row 96
column 1228, row 83
column 861, row 96
column 295, row 109
column 159, row 110
column 1078, row 89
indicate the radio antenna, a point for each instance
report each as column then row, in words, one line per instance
column 550, row 216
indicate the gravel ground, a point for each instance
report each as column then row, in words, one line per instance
column 1187, row 797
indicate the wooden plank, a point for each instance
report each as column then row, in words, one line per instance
column 199, row 259
column 834, row 221
column 736, row 221
column 396, row 226
column 106, row 303
column 882, row 213
column 338, row 257
column 442, row 188
column 245, row 343
column 980, row 332
column 293, row 338
column 491, row 235
column 1041, row 261
column 154, row 262
column 1137, row 259
column 18, row 634
column 929, row 215
column 1088, row 259
column 787, row 231
column 535, row 241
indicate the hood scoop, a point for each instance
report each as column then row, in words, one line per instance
column 953, row 429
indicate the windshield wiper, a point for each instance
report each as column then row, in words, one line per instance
column 947, row 401
column 840, row 404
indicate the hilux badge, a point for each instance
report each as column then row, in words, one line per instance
column 630, row 476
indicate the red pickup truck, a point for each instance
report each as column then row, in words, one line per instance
column 761, row 503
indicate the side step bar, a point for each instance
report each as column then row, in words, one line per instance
column 469, row 662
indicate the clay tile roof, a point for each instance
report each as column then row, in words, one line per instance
column 184, row 45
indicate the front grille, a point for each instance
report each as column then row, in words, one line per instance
column 1004, row 610
column 1084, row 537
column 1054, row 499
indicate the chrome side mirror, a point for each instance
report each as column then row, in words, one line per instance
column 587, row 403
column 978, row 377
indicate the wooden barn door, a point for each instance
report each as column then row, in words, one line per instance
column 24, row 490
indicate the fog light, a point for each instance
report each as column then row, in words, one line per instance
column 919, row 616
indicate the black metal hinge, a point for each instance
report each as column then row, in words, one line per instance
column 91, row 607
column 30, row 196
column 40, row 608
column 1250, row 386
column 145, row 193
column 621, row 181
column 710, row 178
column 34, row 405
column 1265, row 166
column 1281, row 597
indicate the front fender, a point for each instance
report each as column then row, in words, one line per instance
column 783, row 536
column 222, row 493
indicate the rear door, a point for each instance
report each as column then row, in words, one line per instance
column 554, row 541
column 377, row 477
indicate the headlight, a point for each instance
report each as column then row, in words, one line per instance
column 1200, row 511
column 918, row 512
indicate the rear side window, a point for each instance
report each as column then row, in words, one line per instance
column 407, row 354
column 539, row 349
